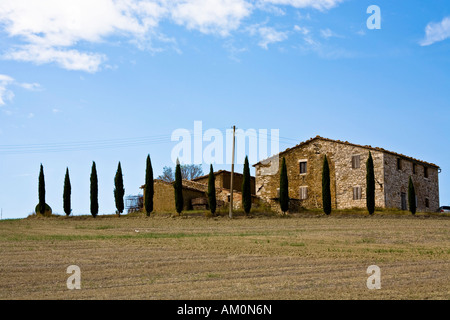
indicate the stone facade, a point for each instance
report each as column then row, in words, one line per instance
column 164, row 195
column 347, row 164
column 397, row 180
column 223, row 180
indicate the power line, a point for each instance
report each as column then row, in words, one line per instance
column 106, row 144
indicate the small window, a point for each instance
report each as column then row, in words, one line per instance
column 357, row 193
column 425, row 172
column 414, row 167
column 355, row 162
column 399, row 164
column 278, row 192
column 303, row 193
column 229, row 198
column 303, row 167
column 427, row 202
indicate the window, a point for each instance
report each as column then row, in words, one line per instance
column 303, row 193
column 425, row 172
column 427, row 202
column 404, row 203
column 399, row 164
column 414, row 166
column 355, row 162
column 278, row 192
column 303, row 167
column 357, row 193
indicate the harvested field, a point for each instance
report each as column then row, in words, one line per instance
column 307, row 256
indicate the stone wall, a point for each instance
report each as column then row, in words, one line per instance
column 223, row 180
column 397, row 183
column 348, row 177
column 342, row 177
column 390, row 182
column 164, row 197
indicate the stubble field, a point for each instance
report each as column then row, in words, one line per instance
column 306, row 256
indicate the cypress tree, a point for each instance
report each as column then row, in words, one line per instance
column 246, row 188
column 94, row 190
column 66, row 194
column 284, row 188
column 370, row 185
column 212, row 191
column 41, row 191
column 119, row 190
column 149, row 187
column 178, row 186
column 326, row 192
column 412, row 197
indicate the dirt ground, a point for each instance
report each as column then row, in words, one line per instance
column 309, row 256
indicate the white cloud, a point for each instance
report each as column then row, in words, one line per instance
column 55, row 31
column 67, row 59
column 211, row 16
column 328, row 33
column 302, row 30
column 270, row 35
column 30, row 115
column 5, row 93
column 56, row 110
column 49, row 28
column 316, row 4
column 435, row 32
column 31, row 86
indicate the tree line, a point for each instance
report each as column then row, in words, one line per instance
column 182, row 172
column 192, row 171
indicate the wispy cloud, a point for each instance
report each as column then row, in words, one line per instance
column 310, row 43
column 328, row 33
column 302, row 30
column 31, row 86
column 67, row 59
column 216, row 17
column 269, row 35
column 435, row 32
column 316, row 4
column 6, row 94
column 52, row 31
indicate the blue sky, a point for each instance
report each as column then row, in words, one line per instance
column 78, row 76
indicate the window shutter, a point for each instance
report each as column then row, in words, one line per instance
column 357, row 193
column 355, row 162
column 303, row 193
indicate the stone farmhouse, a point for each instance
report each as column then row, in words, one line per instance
column 195, row 192
column 347, row 162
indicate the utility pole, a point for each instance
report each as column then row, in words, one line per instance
column 232, row 172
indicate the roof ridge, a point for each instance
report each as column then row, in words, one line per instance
column 352, row 144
